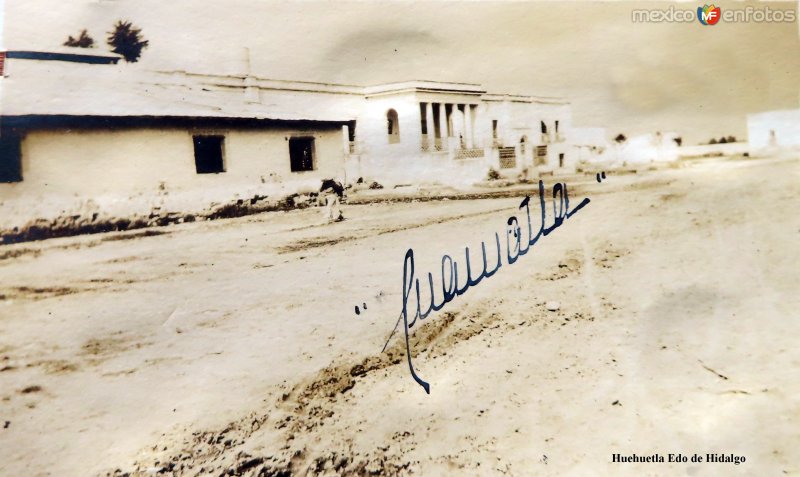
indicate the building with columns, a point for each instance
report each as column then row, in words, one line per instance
column 426, row 131
column 78, row 126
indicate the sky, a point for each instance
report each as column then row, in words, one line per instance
column 699, row 81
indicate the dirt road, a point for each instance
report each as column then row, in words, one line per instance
column 233, row 348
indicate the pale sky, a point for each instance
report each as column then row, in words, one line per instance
column 699, row 81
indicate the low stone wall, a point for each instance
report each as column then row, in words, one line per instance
column 712, row 150
column 25, row 219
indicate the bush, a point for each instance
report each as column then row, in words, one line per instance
column 492, row 175
column 81, row 41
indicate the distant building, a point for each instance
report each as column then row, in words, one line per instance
column 773, row 131
column 636, row 151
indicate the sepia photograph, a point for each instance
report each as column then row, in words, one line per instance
column 289, row 238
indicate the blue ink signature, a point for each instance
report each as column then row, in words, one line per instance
column 515, row 248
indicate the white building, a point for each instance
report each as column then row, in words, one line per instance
column 425, row 131
column 77, row 126
column 773, row 131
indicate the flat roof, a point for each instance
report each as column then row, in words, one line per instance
column 68, row 87
column 424, row 86
column 75, row 55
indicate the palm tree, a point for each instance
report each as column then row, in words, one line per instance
column 127, row 41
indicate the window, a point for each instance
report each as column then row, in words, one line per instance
column 541, row 156
column 556, row 127
column 494, row 128
column 544, row 127
column 10, row 156
column 393, row 125
column 561, row 160
column 208, row 154
column 301, row 153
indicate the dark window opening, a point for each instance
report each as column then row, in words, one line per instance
column 208, row 154
column 544, row 127
column 436, row 119
column 10, row 156
column 448, row 116
column 301, row 153
column 494, row 128
column 556, row 126
column 561, row 160
column 423, row 121
column 393, row 126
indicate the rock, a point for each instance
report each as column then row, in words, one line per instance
column 570, row 264
column 552, row 305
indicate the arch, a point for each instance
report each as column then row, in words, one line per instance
column 393, row 126
column 523, row 141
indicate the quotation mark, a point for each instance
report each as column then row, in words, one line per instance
column 378, row 297
column 601, row 176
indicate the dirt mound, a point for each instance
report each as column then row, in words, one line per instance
column 306, row 408
column 93, row 222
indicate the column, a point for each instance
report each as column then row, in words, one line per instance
column 468, row 125
column 443, row 125
column 431, row 127
column 345, row 140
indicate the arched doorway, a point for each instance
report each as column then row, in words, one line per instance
column 393, row 126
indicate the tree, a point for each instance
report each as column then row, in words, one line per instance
column 620, row 138
column 722, row 140
column 731, row 138
column 127, row 41
column 712, row 141
column 678, row 140
column 83, row 41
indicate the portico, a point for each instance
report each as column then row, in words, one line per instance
column 456, row 131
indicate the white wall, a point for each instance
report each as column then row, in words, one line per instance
column 784, row 124
column 404, row 162
column 131, row 171
column 86, row 162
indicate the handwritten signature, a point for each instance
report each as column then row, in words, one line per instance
column 451, row 287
